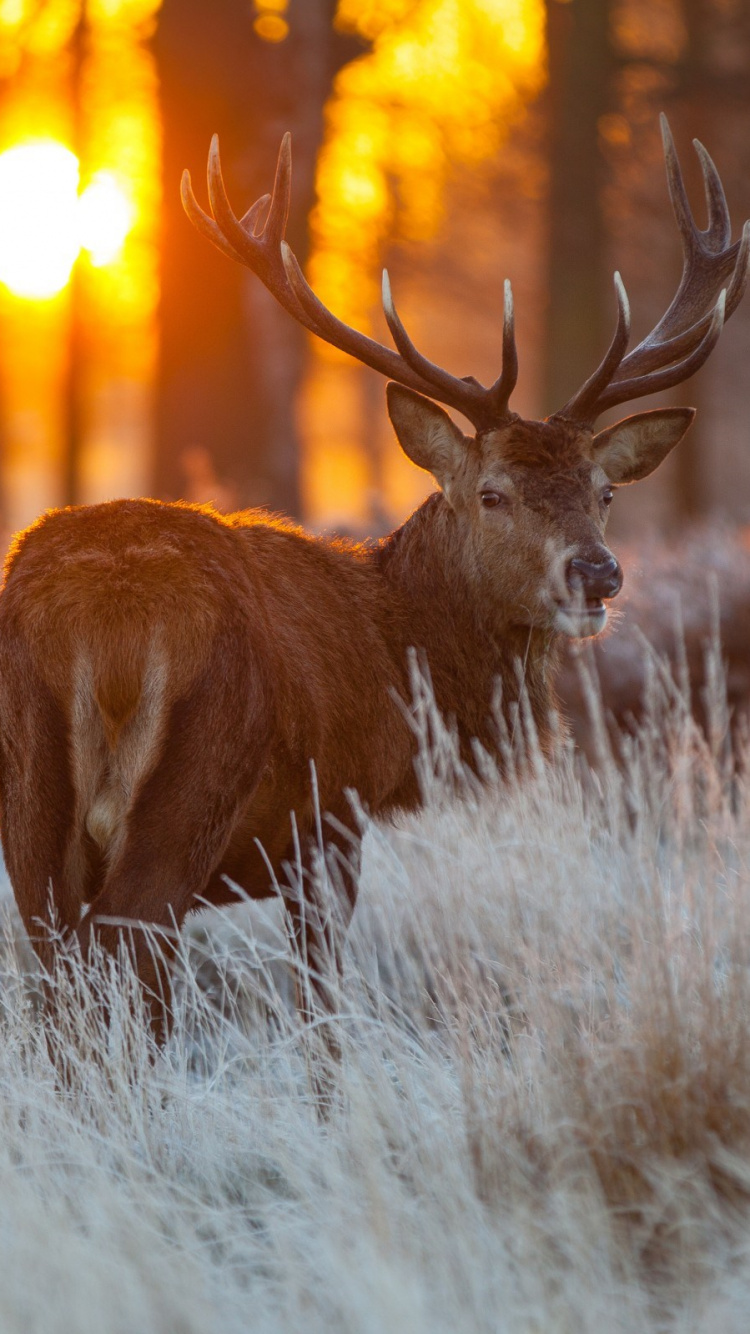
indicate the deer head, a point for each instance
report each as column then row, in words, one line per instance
column 530, row 498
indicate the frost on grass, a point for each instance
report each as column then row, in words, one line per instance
column 541, row 1116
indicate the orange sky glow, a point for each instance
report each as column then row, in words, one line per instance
column 440, row 84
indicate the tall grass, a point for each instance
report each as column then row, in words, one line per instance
column 541, row 1115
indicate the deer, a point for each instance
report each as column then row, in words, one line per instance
column 181, row 692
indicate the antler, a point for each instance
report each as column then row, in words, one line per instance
column 257, row 241
column 714, row 276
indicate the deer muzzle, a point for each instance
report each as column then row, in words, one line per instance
column 594, row 580
column 587, row 583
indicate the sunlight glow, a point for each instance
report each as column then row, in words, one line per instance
column 270, row 24
column 105, row 217
column 114, row 127
column 436, row 94
column 44, row 222
column 271, row 27
column 442, row 84
column 39, row 237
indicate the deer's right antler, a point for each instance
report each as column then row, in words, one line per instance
column 257, row 241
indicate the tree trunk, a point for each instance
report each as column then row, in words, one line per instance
column 231, row 360
column 700, row 110
column 579, row 315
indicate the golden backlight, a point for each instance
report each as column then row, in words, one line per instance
column 439, row 82
column 440, row 86
column 79, row 358
column 38, row 218
column 45, row 222
column 105, row 216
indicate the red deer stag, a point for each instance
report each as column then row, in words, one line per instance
column 167, row 674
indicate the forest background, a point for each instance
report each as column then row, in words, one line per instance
column 456, row 143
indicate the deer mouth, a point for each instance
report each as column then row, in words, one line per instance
column 580, row 618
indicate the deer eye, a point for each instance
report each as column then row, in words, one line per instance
column 491, row 498
column 607, row 497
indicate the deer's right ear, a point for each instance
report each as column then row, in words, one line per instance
column 426, row 433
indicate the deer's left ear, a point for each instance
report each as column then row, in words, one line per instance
column 426, row 433
column 632, row 448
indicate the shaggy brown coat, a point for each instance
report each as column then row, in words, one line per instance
column 168, row 674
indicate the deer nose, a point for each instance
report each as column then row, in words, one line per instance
column 600, row 579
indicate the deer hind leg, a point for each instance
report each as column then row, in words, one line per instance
column 38, row 804
column 181, row 817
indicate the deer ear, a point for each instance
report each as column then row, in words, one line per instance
column 632, row 448
column 426, row 433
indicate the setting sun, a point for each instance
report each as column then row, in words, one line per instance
column 38, row 218
column 44, row 222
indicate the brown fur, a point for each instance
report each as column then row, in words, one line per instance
column 167, row 675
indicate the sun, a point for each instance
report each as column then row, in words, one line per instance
column 38, row 217
column 45, row 222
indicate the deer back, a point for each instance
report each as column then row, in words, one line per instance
column 115, row 612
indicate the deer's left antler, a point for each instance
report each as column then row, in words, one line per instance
column 714, row 276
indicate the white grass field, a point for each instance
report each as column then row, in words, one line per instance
column 541, row 1116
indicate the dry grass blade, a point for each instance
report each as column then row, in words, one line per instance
column 542, row 1110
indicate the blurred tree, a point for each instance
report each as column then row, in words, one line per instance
column 439, row 96
column 231, row 360
column 613, row 66
column 578, row 96
column 711, row 89
column 75, row 388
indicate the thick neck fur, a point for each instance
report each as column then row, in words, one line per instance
column 468, row 639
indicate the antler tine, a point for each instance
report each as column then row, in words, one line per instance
column 621, row 391
column 501, row 390
column 201, row 220
column 256, row 217
column 584, row 403
column 682, row 339
column 241, row 239
column 719, row 226
column 259, row 250
column 275, row 228
column 676, row 185
column 470, row 392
